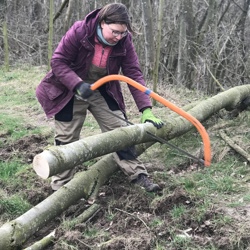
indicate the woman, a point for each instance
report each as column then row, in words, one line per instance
column 99, row 45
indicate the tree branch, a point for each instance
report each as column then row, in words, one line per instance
column 234, row 146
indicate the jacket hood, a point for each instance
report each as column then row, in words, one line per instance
column 91, row 21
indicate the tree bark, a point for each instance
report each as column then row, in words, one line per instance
column 43, row 243
column 148, row 36
column 6, row 47
column 158, row 48
column 68, row 15
column 16, row 232
column 190, row 43
column 57, row 159
column 88, row 214
column 182, row 51
column 50, row 39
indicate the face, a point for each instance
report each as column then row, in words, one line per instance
column 113, row 32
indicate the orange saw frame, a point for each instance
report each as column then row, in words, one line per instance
column 190, row 118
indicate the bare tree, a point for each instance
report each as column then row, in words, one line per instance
column 68, row 14
column 6, row 46
column 182, row 51
column 148, row 36
column 158, row 47
column 50, row 47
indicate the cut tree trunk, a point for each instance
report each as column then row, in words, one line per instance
column 86, row 184
column 57, row 159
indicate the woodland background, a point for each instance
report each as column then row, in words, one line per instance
column 200, row 44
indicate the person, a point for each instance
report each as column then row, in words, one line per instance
column 95, row 47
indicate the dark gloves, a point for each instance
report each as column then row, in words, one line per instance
column 83, row 90
column 147, row 116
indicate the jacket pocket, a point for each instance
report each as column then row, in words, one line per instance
column 52, row 91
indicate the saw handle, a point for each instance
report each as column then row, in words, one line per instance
column 190, row 118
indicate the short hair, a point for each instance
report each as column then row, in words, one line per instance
column 115, row 13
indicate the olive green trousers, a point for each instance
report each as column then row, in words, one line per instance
column 68, row 127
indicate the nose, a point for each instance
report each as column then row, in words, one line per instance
column 119, row 36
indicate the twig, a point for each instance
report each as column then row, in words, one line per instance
column 234, row 146
column 85, row 244
column 89, row 213
column 218, row 83
column 43, row 243
column 137, row 217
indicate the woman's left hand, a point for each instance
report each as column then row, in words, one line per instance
column 147, row 116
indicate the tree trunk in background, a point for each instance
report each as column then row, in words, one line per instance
column 190, row 44
column 170, row 50
column 6, row 47
column 158, row 48
column 149, row 37
column 67, row 20
column 4, row 29
column 240, row 33
column 79, row 5
column 182, row 51
column 92, row 5
column 50, row 41
column 208, row 23
column 208, row 19
column 59, row 12
column 219, row 59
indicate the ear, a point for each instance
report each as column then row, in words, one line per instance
column 102, row 24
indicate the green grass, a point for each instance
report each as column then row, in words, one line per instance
column 9, row 168
column 17, row 103
column 91, row 232
column 11, row 126
column 224, row 184
column 178, row 211
column 14, row 128
column 14, row 205
column 18, row 88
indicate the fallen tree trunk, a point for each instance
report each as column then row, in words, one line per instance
column 88, row 214
column 57, row 159
column 86, row 184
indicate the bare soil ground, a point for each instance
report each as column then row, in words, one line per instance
column 126, row 215
column 129, row 218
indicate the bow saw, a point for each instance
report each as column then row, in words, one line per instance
column 179, row 111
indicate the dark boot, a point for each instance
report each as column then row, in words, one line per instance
column 143, row 181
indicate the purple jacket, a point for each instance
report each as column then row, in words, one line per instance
column 72, row 59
